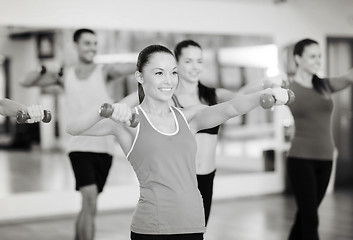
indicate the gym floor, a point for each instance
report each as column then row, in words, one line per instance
column 266, row 217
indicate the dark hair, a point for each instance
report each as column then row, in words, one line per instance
column 79, row 32
column 299, row 47
column 143, row 59
column 319, row 84
column 206, row 94
column 184, row 44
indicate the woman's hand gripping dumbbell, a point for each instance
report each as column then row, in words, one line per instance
column 33, row 114
column 276, row 96
column 107, row 110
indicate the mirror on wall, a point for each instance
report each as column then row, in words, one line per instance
column 230, row 61
column 4, row 93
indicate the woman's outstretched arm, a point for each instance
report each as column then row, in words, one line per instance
column 224, row 95
column 217, row 114
column 10, row 107
column 341, row 82
column 91, row 123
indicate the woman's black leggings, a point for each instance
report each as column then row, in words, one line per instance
column 309, row 179
column 187, row 236
column 205, row 185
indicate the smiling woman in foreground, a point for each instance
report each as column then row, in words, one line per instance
column 162, row 148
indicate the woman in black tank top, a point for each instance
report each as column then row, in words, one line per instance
column 191, row 92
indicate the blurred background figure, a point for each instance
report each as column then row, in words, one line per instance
column 310, row 157
column 84, row 86
column 192, row 92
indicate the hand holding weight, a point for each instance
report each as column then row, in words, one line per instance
column 22, row 117
column 107, row 109
column 268, row 100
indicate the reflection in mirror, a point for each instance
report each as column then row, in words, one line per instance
column 230, row 61
column 4, row 92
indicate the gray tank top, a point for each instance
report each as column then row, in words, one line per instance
column 312, row 117
column 170, row 202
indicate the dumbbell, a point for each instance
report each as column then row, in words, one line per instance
column 107, row 109
column 22, row 117
column 268, row 100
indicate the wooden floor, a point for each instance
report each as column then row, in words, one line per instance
column 266, row 217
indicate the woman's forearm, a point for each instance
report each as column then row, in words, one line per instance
column 10, row 108
column 348, row 76
column 84, row 122
column 217, row 114
column 242, row 104
column 265, row 98
column 342, row 82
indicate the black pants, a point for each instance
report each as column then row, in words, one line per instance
column 205, row 185
column 187, row 236
column 309, row 179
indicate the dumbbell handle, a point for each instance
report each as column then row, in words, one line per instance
column 107, row 109
column 22, row 117
column 268, row 100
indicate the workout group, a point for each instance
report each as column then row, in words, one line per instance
column 160, row 126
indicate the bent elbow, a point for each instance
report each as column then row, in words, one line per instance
column 24, row 82
column 30, row 80
column 27, row 82
column 72, row 131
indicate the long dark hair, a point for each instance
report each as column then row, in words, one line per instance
column 143, row 59
column 206, row 94
column 320, row 85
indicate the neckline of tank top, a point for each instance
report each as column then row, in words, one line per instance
column 166, row 134
column 96, row 66
column 302, row 85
